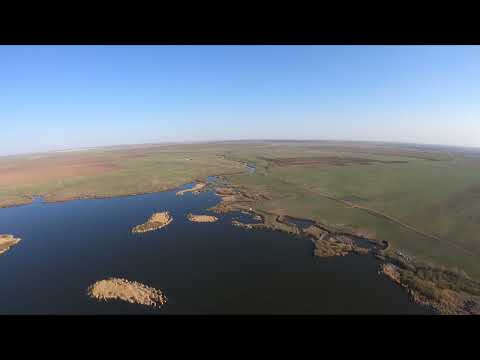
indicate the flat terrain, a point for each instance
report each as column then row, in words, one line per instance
column 425, row 201
column 105, row 172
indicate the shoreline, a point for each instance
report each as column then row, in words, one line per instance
column 45, row 200
column 195, row 190
column 458, row 293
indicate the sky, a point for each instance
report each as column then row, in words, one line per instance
column 63, row 97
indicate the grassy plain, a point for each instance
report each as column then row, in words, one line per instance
column 435, row 192
column 105, row 172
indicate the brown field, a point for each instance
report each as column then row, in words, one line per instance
column 51, row 168
column 382, row 150
column 328, row 160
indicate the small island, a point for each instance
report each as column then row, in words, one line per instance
column 125, row 290
column 156, row 221
column 201, row 218
column 195, row 190
column 7, row 241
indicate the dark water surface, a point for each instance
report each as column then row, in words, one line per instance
column 203, row 268
column 301, row 223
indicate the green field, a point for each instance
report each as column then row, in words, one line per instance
column 438, row 197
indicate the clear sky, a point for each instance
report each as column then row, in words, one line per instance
column 58, row 97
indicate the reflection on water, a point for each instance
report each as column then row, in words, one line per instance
column 203, row 268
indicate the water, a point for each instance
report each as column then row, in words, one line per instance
column 203, row 268
column 301, row 223
column 251, row 168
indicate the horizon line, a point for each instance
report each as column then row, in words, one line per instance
column 186, row 142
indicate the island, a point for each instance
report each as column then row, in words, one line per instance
column 201, row 218
column 7, row 241
column 125, row 290
column 156, row 221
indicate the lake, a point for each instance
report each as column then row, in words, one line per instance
column 203, row 268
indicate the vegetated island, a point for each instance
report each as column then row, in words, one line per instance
column 201, row 218
column 195, row 190
column 156, row 221
column 125, row 290
column 7, row 241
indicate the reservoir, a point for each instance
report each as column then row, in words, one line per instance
column 202, row 268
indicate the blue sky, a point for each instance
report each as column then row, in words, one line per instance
column 58, row 97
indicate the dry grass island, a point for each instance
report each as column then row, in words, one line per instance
column 201, row 218
column 125, row 290
column 7, row 241
column 155, row 222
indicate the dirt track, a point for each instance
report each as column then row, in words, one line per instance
column 397, row 221
column 378, row 213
